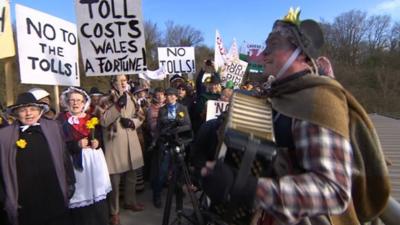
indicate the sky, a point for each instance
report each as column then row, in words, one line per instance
column 247, row 21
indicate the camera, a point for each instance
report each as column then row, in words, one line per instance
column 176, row 134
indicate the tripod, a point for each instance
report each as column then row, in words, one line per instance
column 180, row 176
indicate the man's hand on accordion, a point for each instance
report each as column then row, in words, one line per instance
column 218, row 183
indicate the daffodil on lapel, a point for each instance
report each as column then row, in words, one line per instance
column 21, row 143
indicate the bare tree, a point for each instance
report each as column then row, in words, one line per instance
column 349, row 30
column 178, row 35
column 378, row 32
column 394, row 37
column 153, row 38
column 330, row 40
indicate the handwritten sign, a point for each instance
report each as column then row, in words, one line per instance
column 47, row 48
column 177, row 60
column 6, row 34
column 215, row 108
column 111, row 36
column 234, row 71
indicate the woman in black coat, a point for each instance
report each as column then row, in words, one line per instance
column 39, row 151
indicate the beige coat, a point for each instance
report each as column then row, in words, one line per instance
column 122, row 147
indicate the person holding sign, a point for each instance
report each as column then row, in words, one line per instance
column 209, row 90
column 213, row 92
column 123, row 150
column 36, row 171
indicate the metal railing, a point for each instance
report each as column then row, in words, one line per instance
column 391, row 214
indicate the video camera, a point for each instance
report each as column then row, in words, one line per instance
column 176, row 134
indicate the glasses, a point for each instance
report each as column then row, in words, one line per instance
column 276, row 46
column 75, row 101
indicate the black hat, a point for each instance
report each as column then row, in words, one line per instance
column 171, row 91
column 175, row 78
column 138, row 88
column 27, row 99
column 306, row 34
column 94, row 91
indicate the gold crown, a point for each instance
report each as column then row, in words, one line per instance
column 293, row 16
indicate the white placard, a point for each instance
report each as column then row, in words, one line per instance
column 215, row 108
column 111, row 36
column 234, row 71
column 219, row 52
column 177, row 60
column 47, row 48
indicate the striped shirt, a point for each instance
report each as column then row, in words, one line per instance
column 324, row 187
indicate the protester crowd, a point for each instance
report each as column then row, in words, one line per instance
column 108, row 141
column 74, row 167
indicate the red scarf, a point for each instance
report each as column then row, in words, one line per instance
column 79, row 130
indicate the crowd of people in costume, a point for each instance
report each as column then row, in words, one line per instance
column 107, row 142
column 70, row 167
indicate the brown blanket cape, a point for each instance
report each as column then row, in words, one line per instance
column 323, row 101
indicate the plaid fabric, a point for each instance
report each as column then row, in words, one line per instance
column 325, row 187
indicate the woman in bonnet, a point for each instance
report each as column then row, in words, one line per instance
column 88, row 205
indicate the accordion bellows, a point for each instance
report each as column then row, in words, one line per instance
column 252, row 116
column 248, row 128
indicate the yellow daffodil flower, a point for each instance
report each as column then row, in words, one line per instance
column 21, row 143
column 89, row 124
column 181, row 114
column 95, row 121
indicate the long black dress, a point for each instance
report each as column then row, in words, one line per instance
column 40, row 197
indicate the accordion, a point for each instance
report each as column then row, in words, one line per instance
column 248, row 147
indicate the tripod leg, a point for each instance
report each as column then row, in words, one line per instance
column 193, row 199
column 168, row 201
column 179, row 197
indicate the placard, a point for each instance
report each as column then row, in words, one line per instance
column 177, row 60
column 111, row 36
column 47, row 48
column 215, row 108
column 234, row 71
column 6, row 34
